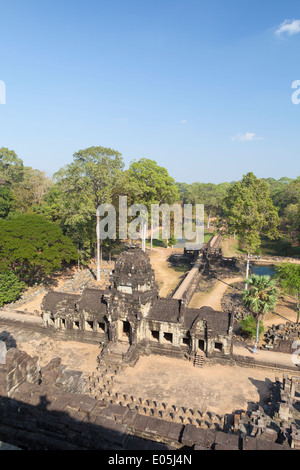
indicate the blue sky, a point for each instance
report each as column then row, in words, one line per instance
column 203, row 87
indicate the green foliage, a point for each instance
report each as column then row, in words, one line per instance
column 33, row 248
column 248, row 326
column 149, row 183
column 261, row 296
column 288, row 275
column 96, row 175
column 93, row 178
column 211, row 195
column 11, row 167
column 282, row 246
column 32, row 190
column 6, row 201
column 10, row 288
column 250, row 213
column 172, row 241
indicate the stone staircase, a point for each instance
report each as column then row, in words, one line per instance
column 110, row 363
column 199, row 359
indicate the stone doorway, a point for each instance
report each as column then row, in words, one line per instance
column 126, row 331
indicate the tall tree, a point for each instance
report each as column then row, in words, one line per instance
column 250, row 213
column 148, row 183
column 260, row 298
column 90, row 180
column 31, row 191
column 151, row 183
column 211, row 195
column 6, row 201
column 288, row 275
column 11, row 166
column 33, row 248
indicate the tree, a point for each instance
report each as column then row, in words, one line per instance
column 209, row 194
column 51, row 207
column 148, row 183
column 92, row 179
column 6, row 201
column 10, row 288
column 249, row 212
column 151, row 183
column 172, row 241
column 260, row 298
column 248, row 326
column 32, row 190
column 11, row 166
column 288, row 275
column 33, row 248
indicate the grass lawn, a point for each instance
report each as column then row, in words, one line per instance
column 280, row 247
column 162, row 243
column 230, row 247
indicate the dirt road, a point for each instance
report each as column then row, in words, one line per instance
column 166, row 277
column 214, row 297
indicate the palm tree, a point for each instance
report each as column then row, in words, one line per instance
column 260, row 298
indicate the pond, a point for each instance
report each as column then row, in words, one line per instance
column 263, row 270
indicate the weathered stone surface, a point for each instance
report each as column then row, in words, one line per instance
column 3, row 352
column 226, row 441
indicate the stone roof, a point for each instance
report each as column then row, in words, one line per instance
column 166, row 310
column 133, row 261
column 91, row 301
column 133, row 269
column 218, row 322
column 170, row 310
column 53, row 301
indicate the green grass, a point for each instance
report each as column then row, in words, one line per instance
column 162, row 243
column 207, row 236
column 280, row 247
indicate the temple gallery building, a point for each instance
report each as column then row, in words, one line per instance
column 132, row 311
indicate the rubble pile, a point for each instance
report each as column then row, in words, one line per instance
column 281, row 337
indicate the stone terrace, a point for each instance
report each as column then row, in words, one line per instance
column 37, row 414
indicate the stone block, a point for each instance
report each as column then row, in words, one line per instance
column 188, row 437
column 140, row 423
column 224, row 441
column 129, row 418
column 175, row 431
column 59, row 404
column 87, row 405
column 158, row 427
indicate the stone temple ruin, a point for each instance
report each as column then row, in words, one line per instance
column 52, row 407
column 131, row 312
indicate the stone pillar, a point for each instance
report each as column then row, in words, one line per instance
column 112, row 332
column 161, row 335
column 177, row 338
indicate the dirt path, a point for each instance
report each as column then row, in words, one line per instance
column 166, row 277
column 20, row 317
column 213, row 298
column 284, row 311
column 273, row 357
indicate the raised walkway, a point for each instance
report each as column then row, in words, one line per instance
column 183, row 287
